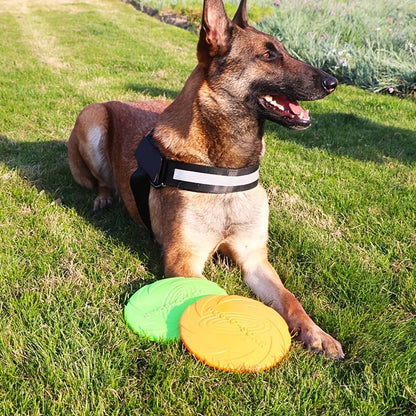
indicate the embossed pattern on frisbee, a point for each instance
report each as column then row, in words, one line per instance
column 235, row 333
column 154, row 310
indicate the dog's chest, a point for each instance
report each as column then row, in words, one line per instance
column 226, row 214
column 217, row 216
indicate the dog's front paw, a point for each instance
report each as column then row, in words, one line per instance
column 320, row 342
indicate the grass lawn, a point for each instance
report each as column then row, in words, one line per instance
column 342, row 236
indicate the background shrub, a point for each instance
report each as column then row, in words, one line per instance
column 369, row 44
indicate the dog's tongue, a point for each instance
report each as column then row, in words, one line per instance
column 294, row 107
column 288, row 108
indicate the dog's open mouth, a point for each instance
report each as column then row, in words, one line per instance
column 292, row 113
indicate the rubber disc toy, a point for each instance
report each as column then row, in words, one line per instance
column 154, row 310
column 234, row 333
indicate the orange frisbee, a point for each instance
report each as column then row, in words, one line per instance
column 235, row 333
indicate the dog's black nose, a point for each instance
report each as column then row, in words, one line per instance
column 329, row 83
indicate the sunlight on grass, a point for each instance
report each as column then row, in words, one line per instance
column 342, row 236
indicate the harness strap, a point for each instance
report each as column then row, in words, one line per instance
column 154, row 169
column 140, row 185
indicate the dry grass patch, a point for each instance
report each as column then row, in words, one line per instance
column 303, row 212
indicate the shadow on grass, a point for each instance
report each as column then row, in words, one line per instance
column 348, row 135
column 45, row 166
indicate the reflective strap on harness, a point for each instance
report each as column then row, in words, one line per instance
column 159, row 172
column 181, row 175
column 210, row 179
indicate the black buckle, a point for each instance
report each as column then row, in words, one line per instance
column 159, row 182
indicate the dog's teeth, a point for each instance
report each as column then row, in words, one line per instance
column 279, row 106
column 304, row 115
column 273, row 102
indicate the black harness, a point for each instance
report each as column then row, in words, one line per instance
column 157, row 171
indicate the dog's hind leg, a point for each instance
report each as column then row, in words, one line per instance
column 87, row 160
column 78, row 167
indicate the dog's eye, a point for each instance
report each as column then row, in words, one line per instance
column 269, row 56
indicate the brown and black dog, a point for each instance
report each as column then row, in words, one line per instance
column 243, row 78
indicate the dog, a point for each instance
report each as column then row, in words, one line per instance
column 243, row 77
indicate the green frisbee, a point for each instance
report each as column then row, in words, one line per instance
column 155, row 310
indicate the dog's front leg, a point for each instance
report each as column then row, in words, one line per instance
column 266, row 284
column 184, row 263
column 184, row 257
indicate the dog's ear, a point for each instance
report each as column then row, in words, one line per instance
column 215, row 34
column 240, row 17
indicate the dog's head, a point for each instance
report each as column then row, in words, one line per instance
column 255, row 69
